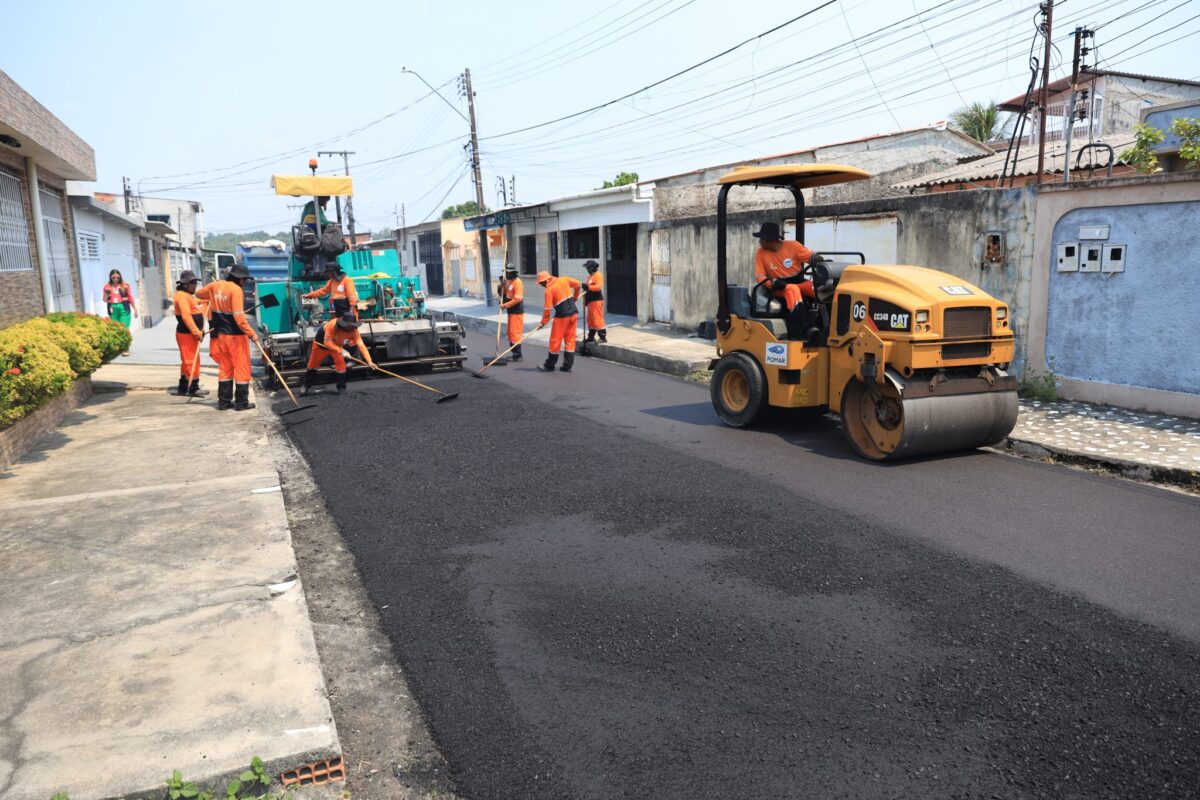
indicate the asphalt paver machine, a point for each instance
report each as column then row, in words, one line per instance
column 394, row 322
column 913, row 359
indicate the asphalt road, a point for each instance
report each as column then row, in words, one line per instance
column 597, row 591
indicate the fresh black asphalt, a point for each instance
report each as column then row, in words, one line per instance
column 585, row 610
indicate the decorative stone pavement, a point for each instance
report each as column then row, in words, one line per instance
column 1166, row 447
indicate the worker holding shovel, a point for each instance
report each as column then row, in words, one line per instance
column 593, row 301
column 514, row 304
column 332, row 338
column 189, row 333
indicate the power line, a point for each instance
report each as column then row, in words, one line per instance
column 870, row 76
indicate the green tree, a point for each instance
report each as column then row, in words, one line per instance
column 983, row 122
column 622, row 179
column 467, row 209
column 1141, row 156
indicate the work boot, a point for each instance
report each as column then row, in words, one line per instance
column 551, row 361
column 568, row 361
column 516, row 353
column 182, row 389
column 591, row 337
column 341, row 383
column 310, row 377
column 603, row 335
column 241, row 400
column 194, row 389
column 224, row 395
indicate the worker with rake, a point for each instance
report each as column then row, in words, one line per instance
column 561, row 296
column 230, row 346
column 514, row 303
column 332, row 339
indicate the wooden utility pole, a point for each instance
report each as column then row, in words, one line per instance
column 1048, row 11
column 484, row 258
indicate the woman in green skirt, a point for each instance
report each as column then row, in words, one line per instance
column 119, row 297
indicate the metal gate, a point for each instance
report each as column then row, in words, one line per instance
column 429, row 247
column 552, row 243
column 528, row 254
column 620, row 273
column 58, row 257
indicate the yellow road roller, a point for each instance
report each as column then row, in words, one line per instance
column 913, row 359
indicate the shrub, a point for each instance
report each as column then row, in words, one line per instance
column 33, row 369
column 108, row 337
column 84, row 358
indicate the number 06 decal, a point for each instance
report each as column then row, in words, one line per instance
column 859, row 312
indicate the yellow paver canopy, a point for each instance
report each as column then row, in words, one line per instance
column 313, row 185
column 802, row 176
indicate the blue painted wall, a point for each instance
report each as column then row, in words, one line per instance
column 1138, row 327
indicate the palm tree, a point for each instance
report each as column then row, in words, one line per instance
column 982, row 121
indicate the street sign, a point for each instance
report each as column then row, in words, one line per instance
column 486, row 222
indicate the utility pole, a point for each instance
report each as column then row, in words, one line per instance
column 1048, row 11
column 1080, row 51
column 484, row 257
column 512, row 189
column 128, row 193
column 345, row 154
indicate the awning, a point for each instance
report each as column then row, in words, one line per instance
column 313, row 185
column 802, row 176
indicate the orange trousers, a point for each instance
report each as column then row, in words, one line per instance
column 595, row 316
column 562, row 332
column 189, row 365
column 516, row 327
column 232, row 354
column 318, row 355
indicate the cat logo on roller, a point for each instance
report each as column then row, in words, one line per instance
column 913, row 359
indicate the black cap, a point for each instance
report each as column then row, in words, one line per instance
column 347, row 320
column 186, row 277
column 239, row 270
column 591, row 266
column 769, row 232
column 510, row 270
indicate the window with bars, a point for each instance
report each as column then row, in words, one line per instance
column 89, row 246
column 15, row 254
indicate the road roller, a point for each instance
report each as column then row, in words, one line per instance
column 911, row 358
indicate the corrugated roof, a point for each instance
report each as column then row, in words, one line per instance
column 989, row 168
column 1062, row 84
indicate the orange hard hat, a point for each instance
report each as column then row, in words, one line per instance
column 544, row 277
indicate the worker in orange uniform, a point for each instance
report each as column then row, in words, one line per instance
column 343, row 297
column 513, row 302
column 593, row 301
column 231, row 335
column 331, row 340
column 189, row 333
column 781, row 264
column 561, row 294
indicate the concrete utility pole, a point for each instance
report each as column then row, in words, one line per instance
column 484, row 257
column 1048, row 11
column 345, row 154
column 1080, row 35
column 128, row 192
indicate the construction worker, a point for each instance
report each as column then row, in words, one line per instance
column 782, row 262
column 561, row 294
column 343, row 297
column 189, row 333
column 331, row 341
column 513, row 294
column 230, row 345
column 308, row 216
column 593, row 301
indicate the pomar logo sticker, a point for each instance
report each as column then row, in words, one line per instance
column 776, row 355
column 958, row 291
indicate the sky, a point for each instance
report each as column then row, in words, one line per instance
column 206, row 100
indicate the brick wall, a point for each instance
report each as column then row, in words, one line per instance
column 20, row 292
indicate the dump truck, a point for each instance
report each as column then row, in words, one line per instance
column 394, row 322
column 912, row 359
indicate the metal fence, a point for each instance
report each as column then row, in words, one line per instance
column 15, row 255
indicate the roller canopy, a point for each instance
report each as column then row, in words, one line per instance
column 801, row 176
column 313, row 185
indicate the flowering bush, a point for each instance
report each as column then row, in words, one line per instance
column 40, row 357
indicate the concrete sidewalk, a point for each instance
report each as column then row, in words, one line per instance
column 153, row 620
column 1137, row 445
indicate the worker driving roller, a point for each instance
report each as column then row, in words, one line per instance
column 780, row 263
column 514, row 304
column 331, row 341
column 230, row 346
column 308, row 216
column 343, row 297
column 561, row 294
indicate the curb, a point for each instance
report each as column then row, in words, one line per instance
column 618, row 354
column 1133, row 470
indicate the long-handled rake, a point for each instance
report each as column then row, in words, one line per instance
column 271, row 363
column 443, row 396
column 506, row 352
